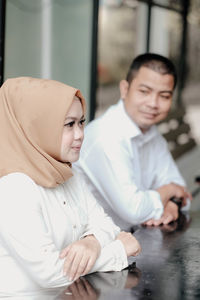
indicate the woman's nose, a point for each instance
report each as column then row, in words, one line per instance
column 78, row 134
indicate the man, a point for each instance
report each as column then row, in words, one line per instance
column 124, row 158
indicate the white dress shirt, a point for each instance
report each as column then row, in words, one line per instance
column 123, row 167
column 36, row 223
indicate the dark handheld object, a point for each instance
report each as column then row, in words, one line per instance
column 177, row 201
column 197, row 179
column 197, row 190
column 131, row 267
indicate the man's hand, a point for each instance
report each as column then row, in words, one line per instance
column 131, row 245
column 80, row 257
column 173, row 190
column 170, row 214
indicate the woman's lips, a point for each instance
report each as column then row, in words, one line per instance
column 76, row 148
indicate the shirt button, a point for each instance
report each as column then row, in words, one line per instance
column 64, row 202
column 74, row 226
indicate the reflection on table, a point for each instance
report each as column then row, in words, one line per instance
column 102, row 285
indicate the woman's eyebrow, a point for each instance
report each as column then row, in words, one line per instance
column 70, row 118
column 74, row 118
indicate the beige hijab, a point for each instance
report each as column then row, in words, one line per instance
column 32, row 114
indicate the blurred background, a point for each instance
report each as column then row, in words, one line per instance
column 170, row 28
column 90, row 44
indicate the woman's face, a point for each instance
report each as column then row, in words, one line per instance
column 72, row 136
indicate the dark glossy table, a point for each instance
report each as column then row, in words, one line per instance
column 167, row 269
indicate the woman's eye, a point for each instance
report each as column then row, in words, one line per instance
column 82, row 122
column 70, row 124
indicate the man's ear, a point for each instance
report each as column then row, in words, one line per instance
column 123, row 87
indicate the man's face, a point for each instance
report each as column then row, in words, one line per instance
column 148, row 98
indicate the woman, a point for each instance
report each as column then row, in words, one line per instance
column 52, row 231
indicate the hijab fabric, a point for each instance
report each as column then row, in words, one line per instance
column 32, row 114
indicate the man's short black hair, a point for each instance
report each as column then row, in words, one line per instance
column 155, row 62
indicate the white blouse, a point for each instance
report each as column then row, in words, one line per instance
column 36, row 223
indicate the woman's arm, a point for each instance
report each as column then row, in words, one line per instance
column 79, row 261
column 86, row 255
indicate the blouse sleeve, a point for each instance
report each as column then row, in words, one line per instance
column 113, row 256
column 99, row 223
column 24, row 234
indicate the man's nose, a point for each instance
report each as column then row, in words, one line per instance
column 153, row 101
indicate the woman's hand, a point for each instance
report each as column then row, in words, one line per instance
column 80, row 257
column 80, row 289
column 131, row 245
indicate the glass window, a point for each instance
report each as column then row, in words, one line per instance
column 191, row 89
column 123, row 35
column 173, row 4
column 49, row 39
column 119, row 30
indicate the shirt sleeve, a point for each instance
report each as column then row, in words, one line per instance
column 110, row 171
column 168, row 171
column 24, row 234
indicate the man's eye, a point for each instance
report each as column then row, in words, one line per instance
column 165, row 97
column 144, row 92
column 70, row 124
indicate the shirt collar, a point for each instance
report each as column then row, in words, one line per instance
column 147, row 136
column 129, row 128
